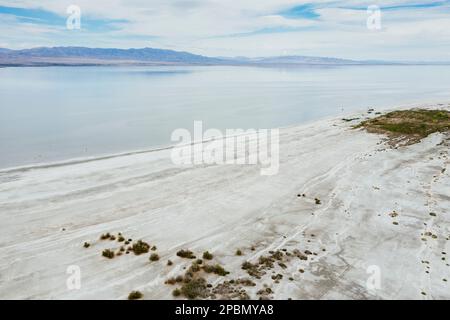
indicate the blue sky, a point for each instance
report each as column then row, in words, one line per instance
column 410, row 30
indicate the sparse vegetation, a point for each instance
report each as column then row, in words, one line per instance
column 252, row 269
column 135, row 295
column 277, row 277
column 176, row 292
column 217, row 269
column 140, row 247
column 207, row 255
column 154, row 257
column 105, row 236
column 107, row 253
column 408, row 126
column 186, row 254
column 194, row 288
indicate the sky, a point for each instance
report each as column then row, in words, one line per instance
column 403, row 30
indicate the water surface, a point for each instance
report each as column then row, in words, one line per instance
column 59, row 113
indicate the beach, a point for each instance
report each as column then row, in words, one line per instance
column 343, row 195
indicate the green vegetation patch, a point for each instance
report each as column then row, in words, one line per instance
column 409, row 126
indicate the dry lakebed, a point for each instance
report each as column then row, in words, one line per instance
column 358, row 210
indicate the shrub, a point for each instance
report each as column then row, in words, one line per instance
column 121, row 239
column 176, row 292
column 186, row 254
column 154, row 257
column 140, row 247
column 207, row 255
column 194, row 268
column 252, row 269
column 217, row 269
column 169, row 262
column 86, row 245
column 108, row 253
column 135, row 295
column 105, row 236
column 277, row 277
column 238, row 252
column 194, row 288
column 153, row 248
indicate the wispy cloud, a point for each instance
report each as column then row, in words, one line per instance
column 410, row 29
column 44, row 17
column 304, row 11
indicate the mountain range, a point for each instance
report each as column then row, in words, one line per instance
column 81, row 56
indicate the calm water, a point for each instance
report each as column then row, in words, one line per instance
column 52, row 114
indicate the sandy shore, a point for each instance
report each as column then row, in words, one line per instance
column 48, row 213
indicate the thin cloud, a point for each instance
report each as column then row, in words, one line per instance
column 410, row 29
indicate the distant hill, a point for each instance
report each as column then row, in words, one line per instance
column 81, row 56
column 304, row 60
column 96, row 56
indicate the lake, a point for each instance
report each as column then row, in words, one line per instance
column 59, row 113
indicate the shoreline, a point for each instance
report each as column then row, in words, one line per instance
column 352, row 182
column 78, row 160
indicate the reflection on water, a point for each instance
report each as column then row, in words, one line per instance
column 57, row 113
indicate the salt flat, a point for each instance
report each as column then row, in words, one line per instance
column 48, row 212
